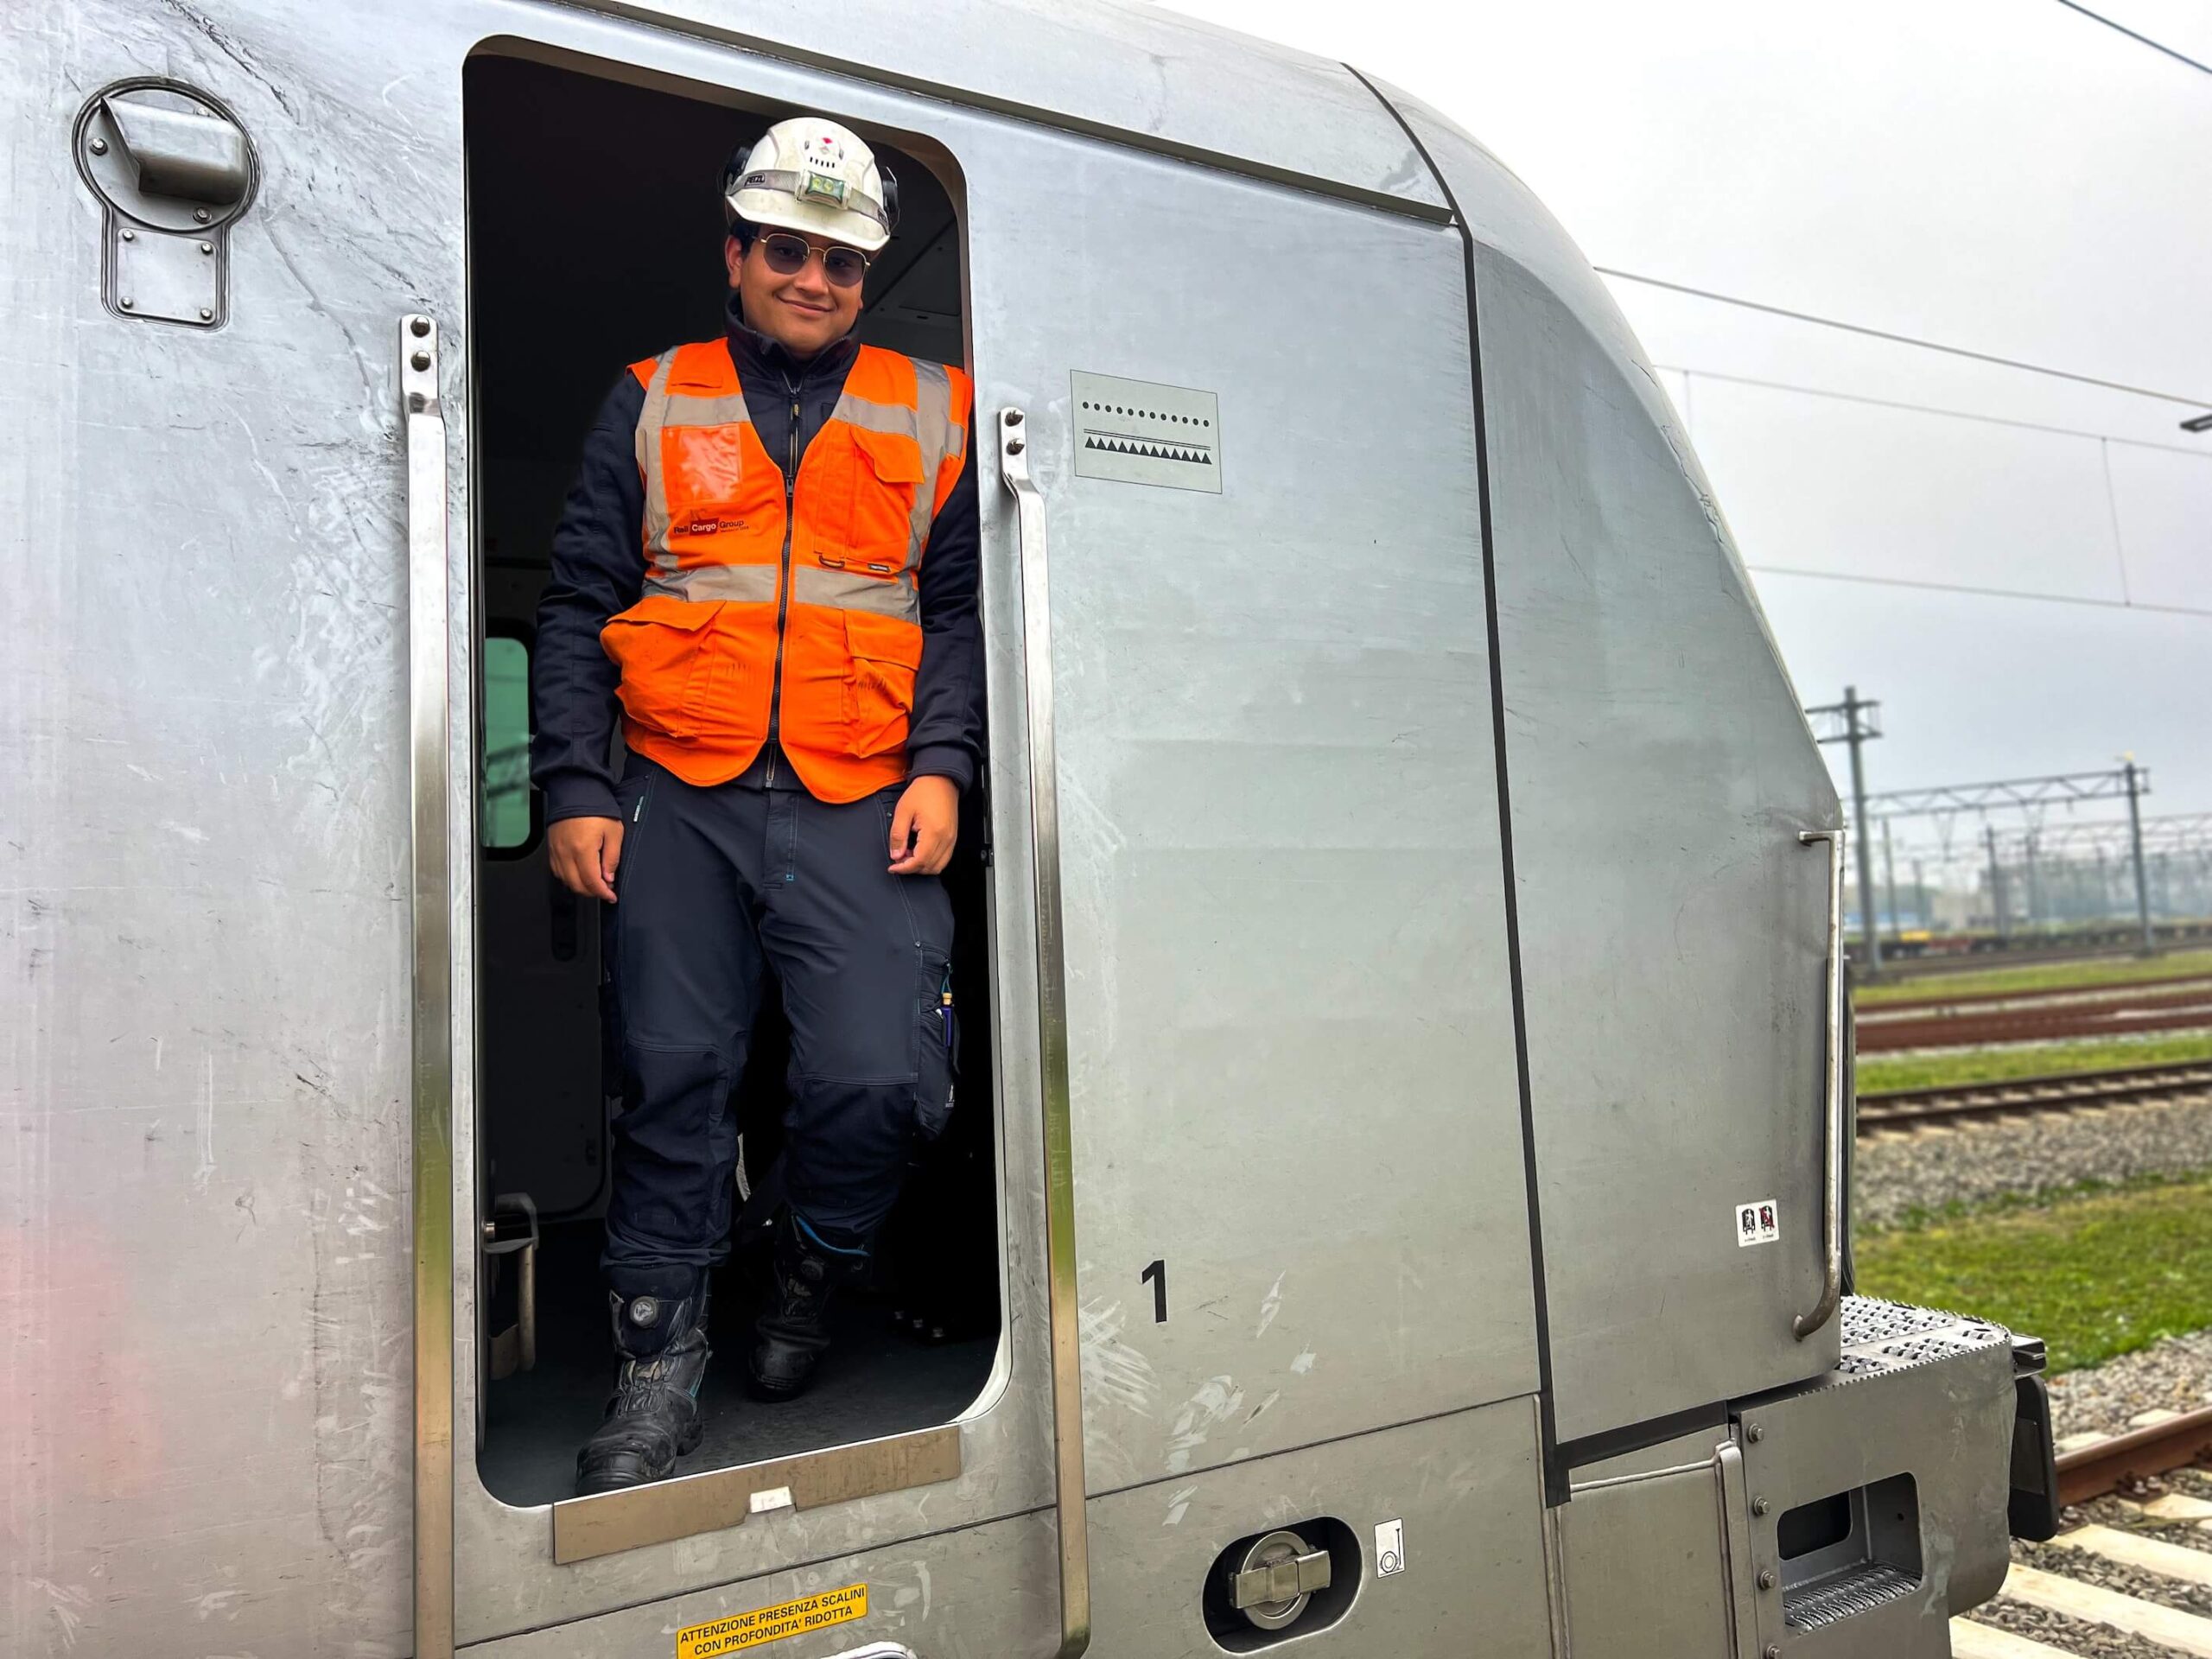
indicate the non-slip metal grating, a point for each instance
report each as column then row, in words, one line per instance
column 1867, row 1320
column 1860, row 1590
column 1880, row 1337
column 1920, row 1348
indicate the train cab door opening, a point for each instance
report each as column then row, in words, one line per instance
column 595, row 238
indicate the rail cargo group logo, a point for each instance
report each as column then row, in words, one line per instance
column 1756, row 1222
column 740, row 1631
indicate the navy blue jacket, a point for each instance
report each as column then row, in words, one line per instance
column 599, row 569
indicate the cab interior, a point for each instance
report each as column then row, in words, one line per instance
column 595, row 239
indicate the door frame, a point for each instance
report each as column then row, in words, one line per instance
column 473, row 1553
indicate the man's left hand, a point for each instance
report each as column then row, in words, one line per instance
column 925, row 826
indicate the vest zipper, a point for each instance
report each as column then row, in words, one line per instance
column 784, row 579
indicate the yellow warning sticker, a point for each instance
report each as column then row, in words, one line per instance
column 815, row 1612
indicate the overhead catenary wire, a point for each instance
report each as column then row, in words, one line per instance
column 2197, row 452
column 2145, row 40
column 1903, row 340
column 2127, row 602
column 1975, row 590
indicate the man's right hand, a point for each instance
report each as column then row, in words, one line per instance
column 584, row 852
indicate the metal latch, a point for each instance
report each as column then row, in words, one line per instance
column 1281, row 1576
column 174, row 170
column 515, row 1348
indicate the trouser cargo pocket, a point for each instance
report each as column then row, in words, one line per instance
column 938, row 1064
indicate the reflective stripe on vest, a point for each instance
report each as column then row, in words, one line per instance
column 699, row 652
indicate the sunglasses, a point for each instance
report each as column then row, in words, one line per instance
column 787, row 257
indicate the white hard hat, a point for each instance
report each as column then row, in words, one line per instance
column 812, row 176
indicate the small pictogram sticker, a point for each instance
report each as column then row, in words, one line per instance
column 1756, row 1222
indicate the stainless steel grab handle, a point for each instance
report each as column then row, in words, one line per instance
column 1053, row 1022
column 431, row 1011
column 1832, row 1110
column 1736, row 1545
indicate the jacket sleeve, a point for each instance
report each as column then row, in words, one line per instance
column 599, row 569
column 944, row 736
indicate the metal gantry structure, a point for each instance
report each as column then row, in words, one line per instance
column 2129, row 782
column 2065, row 861
column 1856, row 720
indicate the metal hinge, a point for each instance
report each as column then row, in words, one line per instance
column 1280, row 1581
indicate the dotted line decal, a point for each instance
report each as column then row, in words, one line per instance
column 1148, row 414
column 1119, row 421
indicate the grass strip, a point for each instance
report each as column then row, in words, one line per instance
column 2094, row 1276
column 1996, row 1065
column 2048, row 976
column 2043, row 1198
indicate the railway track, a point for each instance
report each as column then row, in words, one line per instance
column 1894, row 1109
column 2106, row 1466
column 2162, row 1621
column 2042, row 1022
column 2041, row 995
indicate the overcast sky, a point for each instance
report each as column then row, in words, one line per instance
column 2004, row 175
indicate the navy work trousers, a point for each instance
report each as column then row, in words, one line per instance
column 716, row 889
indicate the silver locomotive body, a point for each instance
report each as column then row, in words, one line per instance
column 1407, row 963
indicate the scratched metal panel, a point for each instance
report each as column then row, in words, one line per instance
column 204, row 1327
column 1672, row 927
column 1162, row 80
column 205, row 1280
column 1293, row 1061
column 1464, row 1485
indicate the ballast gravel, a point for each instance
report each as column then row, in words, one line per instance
column 1895, row 1174
column 2084, row 1568
column 2197, row 1482
column 2069, row 1636
column 2174, row 1374
column 2129, row 1516
column 2126, row 1515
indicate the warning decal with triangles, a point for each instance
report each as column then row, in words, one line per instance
column 1142, row 432
column 1116, row 445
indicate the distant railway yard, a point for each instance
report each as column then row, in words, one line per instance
column 2035, row 1142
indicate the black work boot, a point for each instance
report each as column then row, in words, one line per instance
column 652, row 1417
column 794, row 1324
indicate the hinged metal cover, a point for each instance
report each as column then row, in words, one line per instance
column 174, row 170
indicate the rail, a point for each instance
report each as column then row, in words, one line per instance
column 2109, row 1463
column 2063, row 1092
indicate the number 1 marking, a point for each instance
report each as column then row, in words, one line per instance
column 1156, row 1277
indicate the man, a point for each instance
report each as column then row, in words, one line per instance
column 769, row 561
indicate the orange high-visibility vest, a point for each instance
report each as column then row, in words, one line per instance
column 813, row 613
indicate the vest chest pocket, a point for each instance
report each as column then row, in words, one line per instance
column 702, row 467
column 882, row 654
column 871, row 530
column 660, row 644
